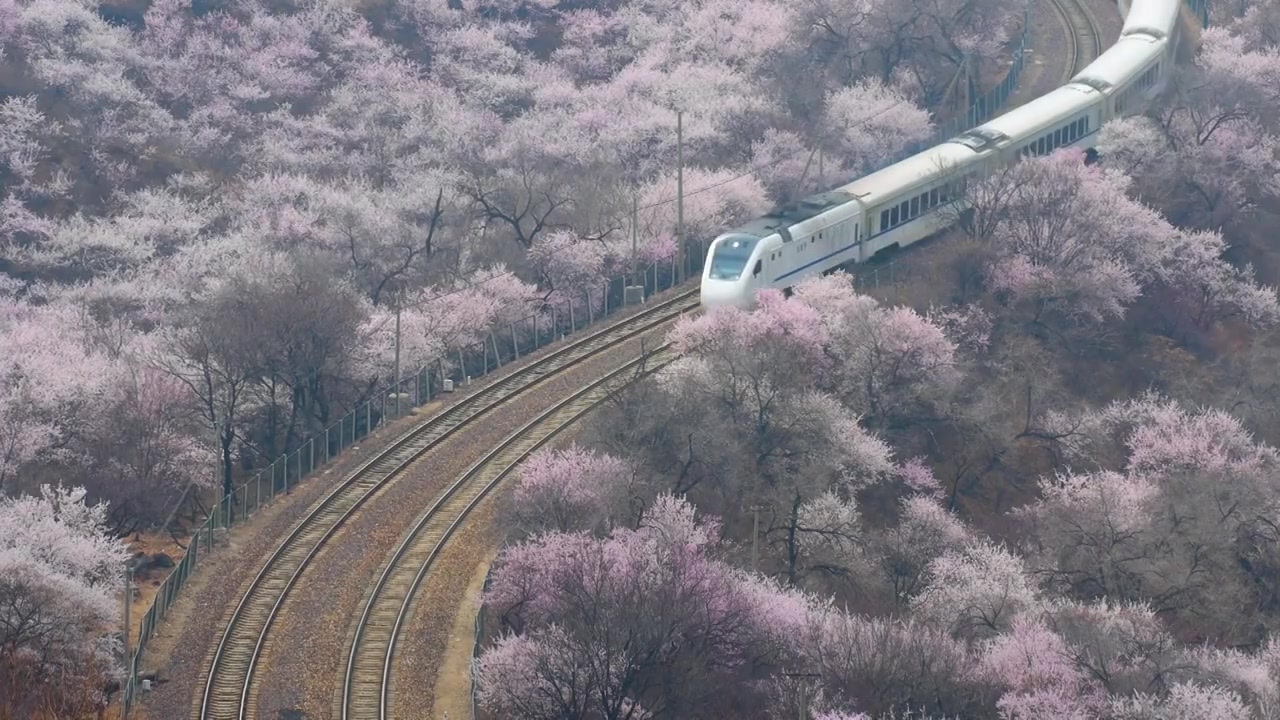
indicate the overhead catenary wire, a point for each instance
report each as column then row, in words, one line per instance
column 380, row 325
column 750, row 171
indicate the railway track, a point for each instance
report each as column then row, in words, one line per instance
column 366, row 690
column 227, row 694
column 1085, row 39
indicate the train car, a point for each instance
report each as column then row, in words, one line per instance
column 896, row 206
column 1067, row 117
column 902, row 204
column 750, row 257
column 1130, row 74
column 1155, row 18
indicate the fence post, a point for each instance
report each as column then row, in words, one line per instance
column 462, row 366
column 573, row 323
column 586, row 295
column 515, row 343
column 497, row 354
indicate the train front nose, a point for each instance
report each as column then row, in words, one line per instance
column 722, row 293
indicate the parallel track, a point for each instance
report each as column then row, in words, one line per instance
column 227, row 689
column 1086, row 39
column 366, row 688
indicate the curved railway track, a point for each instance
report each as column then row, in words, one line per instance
column 227, row 694
column 1085, row 38
column 366, row 689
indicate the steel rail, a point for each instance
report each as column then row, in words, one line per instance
column 366, row 686
column 227, row 692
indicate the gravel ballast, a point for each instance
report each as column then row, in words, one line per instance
column 182, row 648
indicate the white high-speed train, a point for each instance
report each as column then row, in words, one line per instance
column 899, row 205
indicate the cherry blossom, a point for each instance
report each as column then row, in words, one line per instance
column 891, row 365
column 570, row 490
column 976, row 591
column 48, row 380
column 714, row 202
column 58, row 576
column 1184, row 702
column 1040, row 677
column 885, row 665
column 571, row 267
column 648, row 585
column 1136, row 529
column 868, row 124
column 788, row 168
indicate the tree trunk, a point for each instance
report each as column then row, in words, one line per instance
column 228, row 470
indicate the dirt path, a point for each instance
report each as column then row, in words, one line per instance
column 453, row 680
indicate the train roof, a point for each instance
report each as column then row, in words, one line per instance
column 907, row 173
column 785, row 216
column 1156, row 18
column 1119, row 64
column 1024, row 122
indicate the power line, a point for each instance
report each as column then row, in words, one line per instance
column 471, row 286
column 750, row 171
column 761, row 166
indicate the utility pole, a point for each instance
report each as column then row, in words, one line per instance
column 223, row 480
column 822, row 179
column 680, row 251
column 128, row 661
column 397, row 356
column 634, row 231
column 806, row 678
column 755, row 538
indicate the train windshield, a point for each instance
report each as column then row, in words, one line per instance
column 729, row 259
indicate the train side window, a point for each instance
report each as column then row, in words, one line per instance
column 884, row 220
column 902, row 210
column 755, row 271
column 933, row 197
column 1071, row 132
column 915, row 206
column 893, row 216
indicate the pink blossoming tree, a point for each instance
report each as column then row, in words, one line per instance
column 58, row 576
